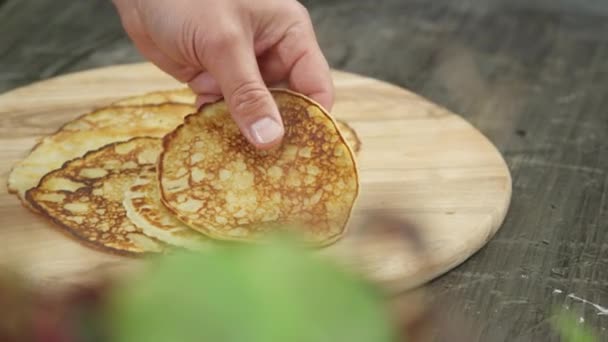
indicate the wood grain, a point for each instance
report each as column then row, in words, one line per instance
column 531, row 75
column 418, row 160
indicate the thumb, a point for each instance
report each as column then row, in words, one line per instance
column 253, row 108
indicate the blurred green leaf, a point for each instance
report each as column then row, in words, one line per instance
column 570, row 330
column 275, row 292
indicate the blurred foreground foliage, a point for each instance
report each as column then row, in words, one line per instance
column 275, row 292
column 271, row 292
column 570, row 330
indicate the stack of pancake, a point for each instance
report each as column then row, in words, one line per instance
column 150, row 173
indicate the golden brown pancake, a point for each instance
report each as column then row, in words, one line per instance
column 216, row 182
column 187, row 97
column 350, row 136
column 85, row 196
column 145, row 210
column 92, row 131
column 181, row 95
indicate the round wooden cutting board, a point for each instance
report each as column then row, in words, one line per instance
column 417, row 161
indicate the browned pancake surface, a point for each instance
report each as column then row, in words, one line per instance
column 350, row 136
column 187, row 97
column 144, row 208
column 217, row 183
column 90, row 132
column 181, row 95
column 85, row 196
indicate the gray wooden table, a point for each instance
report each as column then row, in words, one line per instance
column 531, row 75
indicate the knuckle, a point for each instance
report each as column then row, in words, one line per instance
column 295, row 44
column 290, row 11
column 296, row 9
column 248, row 99
column 188, row 42
column 296, row 35
column 212, row 43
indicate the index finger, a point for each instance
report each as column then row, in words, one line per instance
column 309, row 72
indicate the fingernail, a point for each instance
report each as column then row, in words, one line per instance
column 266, row 130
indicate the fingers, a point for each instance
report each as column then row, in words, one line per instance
column 180, row 72
column 235, row 68
column 206, row 87
column 310, row 75
column 274, row 74
column 309, row 72
column 204, row 83
column 145, row 45
column 224, row 63
column 203, row 99
column 271, row 67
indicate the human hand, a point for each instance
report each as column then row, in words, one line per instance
column 234, row 49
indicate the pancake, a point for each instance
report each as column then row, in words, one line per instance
column 85, row 196
column 349, row 135
column 89, row 132
column 213, row 180
column 187, row 97
column 145, row 210
column 181, row 95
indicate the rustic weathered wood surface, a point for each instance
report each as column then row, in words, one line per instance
column 531, row 75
